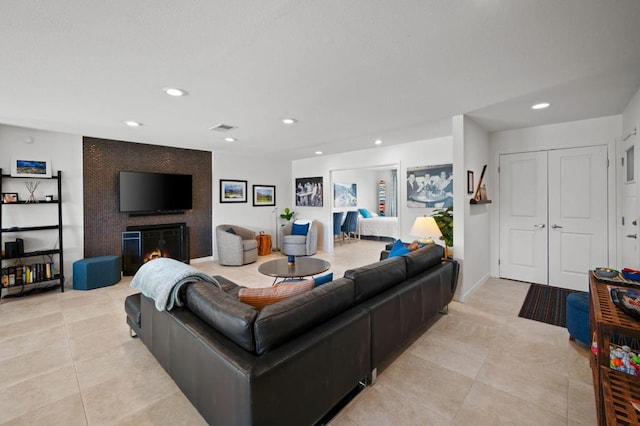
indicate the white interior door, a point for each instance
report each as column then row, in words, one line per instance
column 578, row 200
column 523, row 216
column 629, row 220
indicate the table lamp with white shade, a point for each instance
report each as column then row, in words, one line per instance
column 426, row 228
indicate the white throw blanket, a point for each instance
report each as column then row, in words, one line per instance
column 162, row 278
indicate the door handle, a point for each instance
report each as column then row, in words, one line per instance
column 554, row 226
column 632, row 236
column 539, row 225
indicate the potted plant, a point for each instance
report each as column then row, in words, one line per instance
column 288, row 214
column 444, row 219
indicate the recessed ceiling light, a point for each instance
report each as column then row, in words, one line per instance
column 229, row 139
column 289, row 120
column 541, row 105
column 318, row 152
column 172, row 91
column 378, row 142
column 133, row 123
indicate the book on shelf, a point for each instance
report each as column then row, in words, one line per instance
column 27, row 274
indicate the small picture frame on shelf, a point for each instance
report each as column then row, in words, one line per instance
column 9, row 197
column 30, row 167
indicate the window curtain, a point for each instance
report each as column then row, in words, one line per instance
column 392, row 197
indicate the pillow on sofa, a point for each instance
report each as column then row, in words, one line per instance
column 398, row 249
column 297, row 229
column 263, row 296
column 323, row 279
column 414, row 246
column 365, row 213
column 232, row 231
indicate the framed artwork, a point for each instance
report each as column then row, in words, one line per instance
column 345, row 195
column 9, row 197
column 264, row 195
column 30, row 167
column 233, row 191
column 309, row 192
column 470, row 185
column 430, row 186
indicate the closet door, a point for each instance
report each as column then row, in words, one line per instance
column 628, row 231
column 578, row 239
column 523, row 216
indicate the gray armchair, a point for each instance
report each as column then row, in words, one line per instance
column 299, row 245
column 237, row 247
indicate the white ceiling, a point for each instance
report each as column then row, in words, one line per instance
column 349, row 71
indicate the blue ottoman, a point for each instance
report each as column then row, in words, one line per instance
column 96, row 272
column 578, row 317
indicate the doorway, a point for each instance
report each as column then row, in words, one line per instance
column 553, row 215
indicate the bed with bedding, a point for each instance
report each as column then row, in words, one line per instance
column 378, row 226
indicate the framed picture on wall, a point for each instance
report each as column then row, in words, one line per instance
column 470, row 183
column 264, row 195
column 233, row 191
column 345, row 195
column 30, row 167
column 430, row 186
column 309, row 192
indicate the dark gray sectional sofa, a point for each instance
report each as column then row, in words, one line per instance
column 291, row 362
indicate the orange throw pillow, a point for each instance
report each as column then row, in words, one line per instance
column 263, row 296
column 414, row 246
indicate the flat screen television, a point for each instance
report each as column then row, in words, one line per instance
column 141, row 192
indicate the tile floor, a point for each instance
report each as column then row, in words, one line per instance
column 67, row 358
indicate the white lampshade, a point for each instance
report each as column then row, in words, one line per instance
column 426, row 228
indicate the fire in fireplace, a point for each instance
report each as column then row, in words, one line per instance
column 140, row 244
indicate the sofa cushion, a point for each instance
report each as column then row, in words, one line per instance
column 223, row 312
column 249, row 245
column 372, row 279
column 226, row 284
column 423, row 259
column 264, row 296
column 279, row 323
column 299, row 229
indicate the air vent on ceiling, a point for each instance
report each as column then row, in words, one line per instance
column 222, row 127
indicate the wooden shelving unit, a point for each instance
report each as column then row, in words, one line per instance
column 382, row 198
column 39, row 276
column 613, row 389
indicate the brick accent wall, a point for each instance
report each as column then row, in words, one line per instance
column 104, row 224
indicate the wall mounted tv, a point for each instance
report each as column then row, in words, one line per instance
column 148, row 193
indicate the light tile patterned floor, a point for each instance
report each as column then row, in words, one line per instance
column 67, row 358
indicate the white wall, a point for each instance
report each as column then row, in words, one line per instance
column 597, row 131
column 65, row 152
column 471, row 222
column 630, row 121
column 256, row 171
column 412, row 154
column 631, row 117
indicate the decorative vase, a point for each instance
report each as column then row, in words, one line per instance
column 291, row 260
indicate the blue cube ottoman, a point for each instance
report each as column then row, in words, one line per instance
column 96, row 272
column 578, row 317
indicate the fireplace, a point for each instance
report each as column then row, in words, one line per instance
column 142, row 244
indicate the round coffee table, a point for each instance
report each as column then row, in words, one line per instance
column 303, row 267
